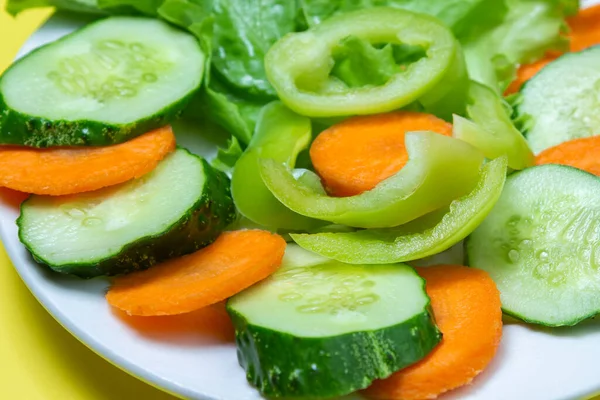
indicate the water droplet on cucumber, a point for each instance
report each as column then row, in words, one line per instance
column 292, row 296
column 91, row 221
column 542, row 255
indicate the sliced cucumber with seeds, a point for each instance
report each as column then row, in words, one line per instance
column 541, row 245
column 561, row 102
column 104, row 84
column 176, row 209
column 322, row 328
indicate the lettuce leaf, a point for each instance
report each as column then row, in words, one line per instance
column 227, row 157
column 528, row 29
column 215, row 102
column 456, row 14
column 243, row 33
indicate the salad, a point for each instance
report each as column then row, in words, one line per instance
column 358, row 141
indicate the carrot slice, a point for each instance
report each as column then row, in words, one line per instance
column 62, row 171
column 585, row 28
column 358, row 153
column 466, row 305
column 583, row 153
column 234, row 262
column 207, row 325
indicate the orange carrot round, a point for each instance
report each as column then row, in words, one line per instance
column 62, row 171
column 581, row 153
column 585, row 28
column 234, row 262
column 355, row 155
column 466, row 305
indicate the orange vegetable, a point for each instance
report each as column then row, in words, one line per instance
column 234, row 262
column 207, row 325
column 585, row 28
column 581, row 153
column 585, row 32
column 466, row 305
column 62, row 171
column 358, row 153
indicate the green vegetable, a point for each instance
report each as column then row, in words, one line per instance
column 331, row 328
column 491, row 129
column 299, row 65
column 176, row 209
column 560, row 103
column 456, row 14
column 244, row 32
column 215, row 101
column 358, row 64
column 541, row 245
column 439, row 170
column 514, row 32
column 90, row 6
column 423, row 237
column 104, row 84
column 226, row 158
column 280, row 135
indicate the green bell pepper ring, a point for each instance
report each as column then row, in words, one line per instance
column 299, row 65
column 439, row 170
column 280, row 135
column 491, row 129
column 424, row 237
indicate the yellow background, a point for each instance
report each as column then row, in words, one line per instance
column 39, row 360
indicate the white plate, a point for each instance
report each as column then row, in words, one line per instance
column 531, row 364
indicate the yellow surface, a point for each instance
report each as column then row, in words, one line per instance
column 39, row 360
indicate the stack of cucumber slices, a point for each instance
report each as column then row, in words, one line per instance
column 103, row 86
column 321, row 286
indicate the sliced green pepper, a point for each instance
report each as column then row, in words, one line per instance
column 439, row 170
column 299, row 64
column 424, row 237
column 491, row 129
column 280, row 135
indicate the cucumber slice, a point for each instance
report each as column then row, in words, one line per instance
column 321, row 328
column 176, row 209
column 541, row 245
column 104, row 84
column 561, row 102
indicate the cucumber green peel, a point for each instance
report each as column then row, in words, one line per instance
column 331, row 328
column 439, row 170
column 299, row 65
column 280, row 135
column 421, row 238
column 491, row 129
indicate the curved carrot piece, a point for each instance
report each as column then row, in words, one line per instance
column 466, row 305
column 355, row 155
column 585, row 28
column 585, row 32
column 62, row 171
column 581, row 153
column 234, row 262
